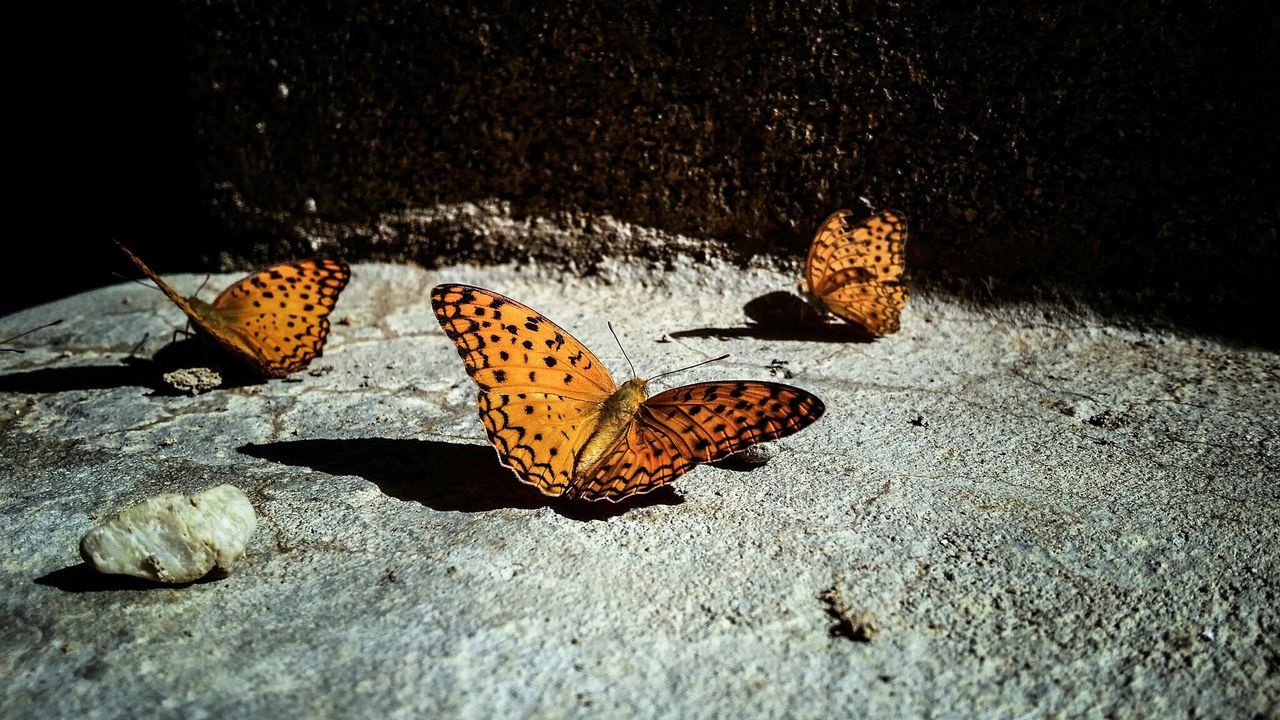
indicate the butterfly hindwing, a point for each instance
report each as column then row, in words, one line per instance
column 679, row 428
column 874, row 306
column 540, row 389
column 855, row 269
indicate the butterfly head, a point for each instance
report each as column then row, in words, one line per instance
column 625, row 400
column 204, row 310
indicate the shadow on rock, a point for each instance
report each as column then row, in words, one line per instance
column 781, row 315
column 83, row 578
column 736, row 463
column 441, row 475
column 81, row 377
column 133, row 371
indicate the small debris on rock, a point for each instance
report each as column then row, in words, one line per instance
column 173, row 539
column 919, row 421
column 168, row 440
column 193, row 381
column 757, row 454
column 1106, row 419
column 856, row 625
column 779, row 367
column 320, row 371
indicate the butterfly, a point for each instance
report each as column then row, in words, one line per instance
column 276, row 321
column 558, row 420
column 855, row 269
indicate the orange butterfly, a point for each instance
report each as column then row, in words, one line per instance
column 855, row 269
column 559, row 421
column 274, row 320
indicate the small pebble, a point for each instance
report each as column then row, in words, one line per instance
column 193, row 381
column 173, row 538
column 758, row 454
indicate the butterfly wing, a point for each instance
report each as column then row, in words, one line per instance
column 676, row 429
column 540, row 389
column 177, row 299
column 278, row 317
column 855, row 269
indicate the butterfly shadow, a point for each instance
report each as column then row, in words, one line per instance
column 458, row 477
column 132, row 371
column 780, row 315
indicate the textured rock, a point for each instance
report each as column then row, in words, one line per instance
column 173, row 538
column 1047, row 515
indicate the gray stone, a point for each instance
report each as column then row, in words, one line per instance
column 1118, row 559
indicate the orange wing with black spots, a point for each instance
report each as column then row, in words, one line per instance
column 276, row 320
column 675, row 430
column 855, row 269
column 540, row 389
column 282, row 313
column 556, row 417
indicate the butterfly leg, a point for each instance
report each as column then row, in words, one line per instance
column 134, row 350
column 184, row 332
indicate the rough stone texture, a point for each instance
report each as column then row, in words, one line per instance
column 1044, row 514
column 1124, row 150
column 173, row 539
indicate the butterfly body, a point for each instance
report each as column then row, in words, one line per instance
column 560, row 422
column 855, row 269
column 615, row 413
column 274, row 321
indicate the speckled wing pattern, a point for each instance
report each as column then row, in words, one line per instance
column 280, row 316
column 677, row 429
column 275, row 320
column 855, row 269
column 540, row 389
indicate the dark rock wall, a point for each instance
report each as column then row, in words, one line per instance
column 1123, row 149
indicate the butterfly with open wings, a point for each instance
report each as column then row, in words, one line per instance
column 557, row 419
column 274, row 321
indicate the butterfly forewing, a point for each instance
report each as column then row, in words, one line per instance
column 172, row 294
column 540, row 389
column 281, row 314
column 675, row 430
column 855, row 269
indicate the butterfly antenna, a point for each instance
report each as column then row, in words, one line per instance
column 688, row 367
column 122, row 276
column 24, row 334
column 624, row 350
column 206, row 281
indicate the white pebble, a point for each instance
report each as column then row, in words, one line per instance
column 173, row 538
column 758, row 454
column 193, row 381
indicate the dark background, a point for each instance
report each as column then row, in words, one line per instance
column 1120, row 157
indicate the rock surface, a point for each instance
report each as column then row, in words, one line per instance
column 1045, row 515
column 173, row 538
